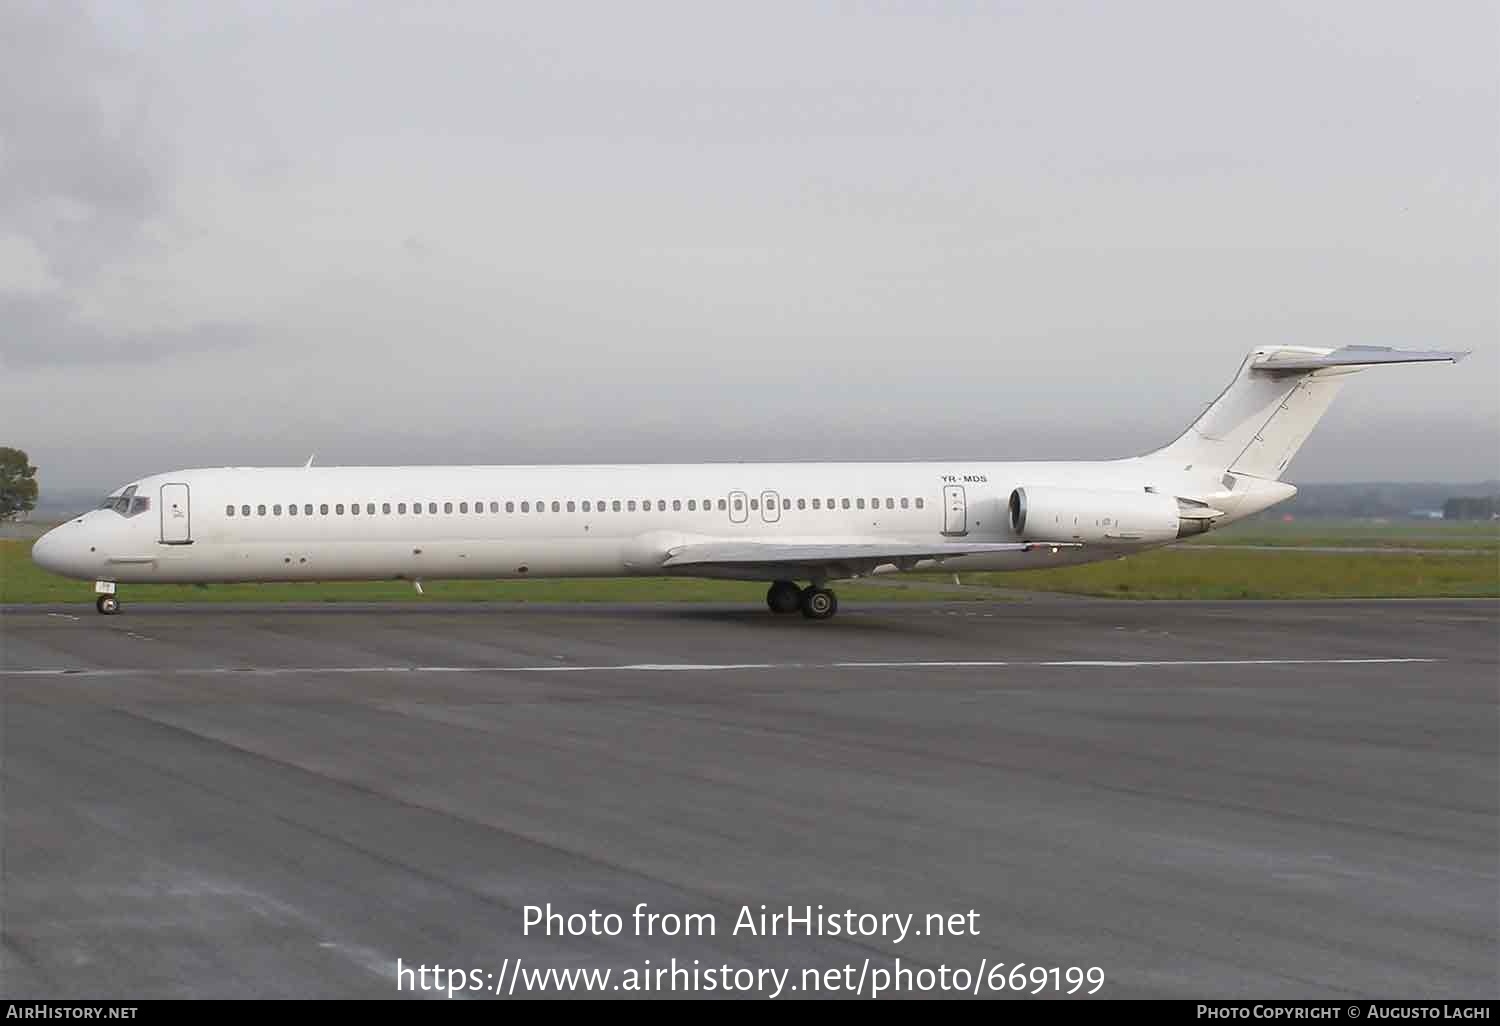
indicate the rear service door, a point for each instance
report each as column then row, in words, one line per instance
column 955, row 511
column 176, row 515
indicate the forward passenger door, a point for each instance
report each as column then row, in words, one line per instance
column 176, row 515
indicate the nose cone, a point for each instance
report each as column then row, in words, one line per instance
column 46, row 551
column 63, row 550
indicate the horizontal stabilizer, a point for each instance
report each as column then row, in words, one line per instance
column 1293, row 361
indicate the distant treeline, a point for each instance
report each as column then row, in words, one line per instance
column 1388, row 499
column 1471, row 509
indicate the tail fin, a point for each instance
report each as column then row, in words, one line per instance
column 1258, row 423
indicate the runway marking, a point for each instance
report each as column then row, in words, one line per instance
column 925, row 664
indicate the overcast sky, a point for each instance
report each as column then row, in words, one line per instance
column 483, row 232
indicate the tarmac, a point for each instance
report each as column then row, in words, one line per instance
column 1243, row 799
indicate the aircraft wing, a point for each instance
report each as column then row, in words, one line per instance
column 857, row 557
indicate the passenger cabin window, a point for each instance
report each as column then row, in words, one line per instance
column 556, row 506
column 291, row 509
column 463, row 507
column 229, row 511
column 307, row 509
column 244, row 511
column 693, row 505
column 676, row 505
column 260, row 511
column 494, row 507
column 630, row 505
column 571, row 507
column 905, row 503
column 615, row 505
column 723, row 506
column 339, row 508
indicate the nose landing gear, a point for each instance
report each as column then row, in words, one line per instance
column 107, row 604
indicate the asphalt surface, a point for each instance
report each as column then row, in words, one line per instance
column 1235, row 799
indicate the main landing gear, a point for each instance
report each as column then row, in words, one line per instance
column 814, row 602
column 107, row 604
column 784, row 597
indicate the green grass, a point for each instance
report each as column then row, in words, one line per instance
column 1421, row 534
column 1185, row 572
column 1199, row 573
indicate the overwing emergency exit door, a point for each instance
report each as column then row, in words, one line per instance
column 955, row 511
column 176, row 515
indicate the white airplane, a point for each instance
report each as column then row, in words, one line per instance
column 777, row 522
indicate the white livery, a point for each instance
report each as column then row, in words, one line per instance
column 776, row 522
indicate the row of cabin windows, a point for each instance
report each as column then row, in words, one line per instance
column 570, row 506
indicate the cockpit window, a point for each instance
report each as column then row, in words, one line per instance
column 127, row 503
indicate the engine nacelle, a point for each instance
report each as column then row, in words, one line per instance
column 1098, row 517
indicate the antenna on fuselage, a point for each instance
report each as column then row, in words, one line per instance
column 309, row 461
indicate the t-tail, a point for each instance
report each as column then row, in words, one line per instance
column 1257, row 424
column 1229, row 463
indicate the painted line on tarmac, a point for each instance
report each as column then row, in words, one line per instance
column 965, row 664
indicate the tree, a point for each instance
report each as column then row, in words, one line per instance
column 17, row 484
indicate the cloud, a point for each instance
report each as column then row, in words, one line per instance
column 658, row 231
column 41, row 331
column 82, row 168
column 85, row 173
